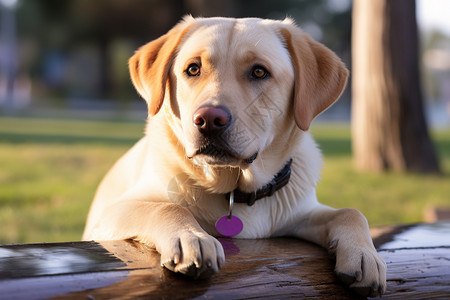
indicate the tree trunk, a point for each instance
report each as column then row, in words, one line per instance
column 389, row 130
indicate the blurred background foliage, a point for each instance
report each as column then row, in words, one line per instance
column 77, row 49
column 68, row 52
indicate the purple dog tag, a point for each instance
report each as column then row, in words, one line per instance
column 229, row 226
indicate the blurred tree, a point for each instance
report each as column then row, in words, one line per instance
column 8, row 53
column 388, row 124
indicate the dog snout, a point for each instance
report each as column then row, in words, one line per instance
column 211, row 120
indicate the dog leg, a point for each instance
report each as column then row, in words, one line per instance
column 184, row 246
column 345, row 233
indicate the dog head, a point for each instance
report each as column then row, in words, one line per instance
column 233, row 87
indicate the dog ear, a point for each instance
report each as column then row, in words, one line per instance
column 150, row 66
column 320, row 76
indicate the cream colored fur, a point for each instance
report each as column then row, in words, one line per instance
column 163, row 194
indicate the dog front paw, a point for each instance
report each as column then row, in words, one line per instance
column 194, row 254
column 361, row 268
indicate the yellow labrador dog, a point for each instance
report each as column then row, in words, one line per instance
column 230, row 103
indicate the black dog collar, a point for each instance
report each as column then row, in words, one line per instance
column 279, row 181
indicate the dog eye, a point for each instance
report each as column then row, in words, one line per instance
column 193, row 70
column 259, row 72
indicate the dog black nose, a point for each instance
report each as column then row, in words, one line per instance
column 212, row 120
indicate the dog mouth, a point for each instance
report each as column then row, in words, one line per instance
column 214, row 151
column 216, row 155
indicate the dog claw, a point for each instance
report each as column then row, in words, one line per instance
column 358, row 276
column 208, row 263
column 198, row 263
column 347, row 279
column 333, row 245
column 380, row 290
column 176, row 260
column 221, row 263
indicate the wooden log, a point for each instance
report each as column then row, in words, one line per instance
column 270, row 269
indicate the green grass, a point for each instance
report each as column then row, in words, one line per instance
column 384, row 198
column 49, row 170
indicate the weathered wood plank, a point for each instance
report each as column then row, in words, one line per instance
column 32, row 260
column 255, row 268
column 418, row 273
column 270, row 269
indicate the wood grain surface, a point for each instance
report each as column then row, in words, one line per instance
column 279, row 268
